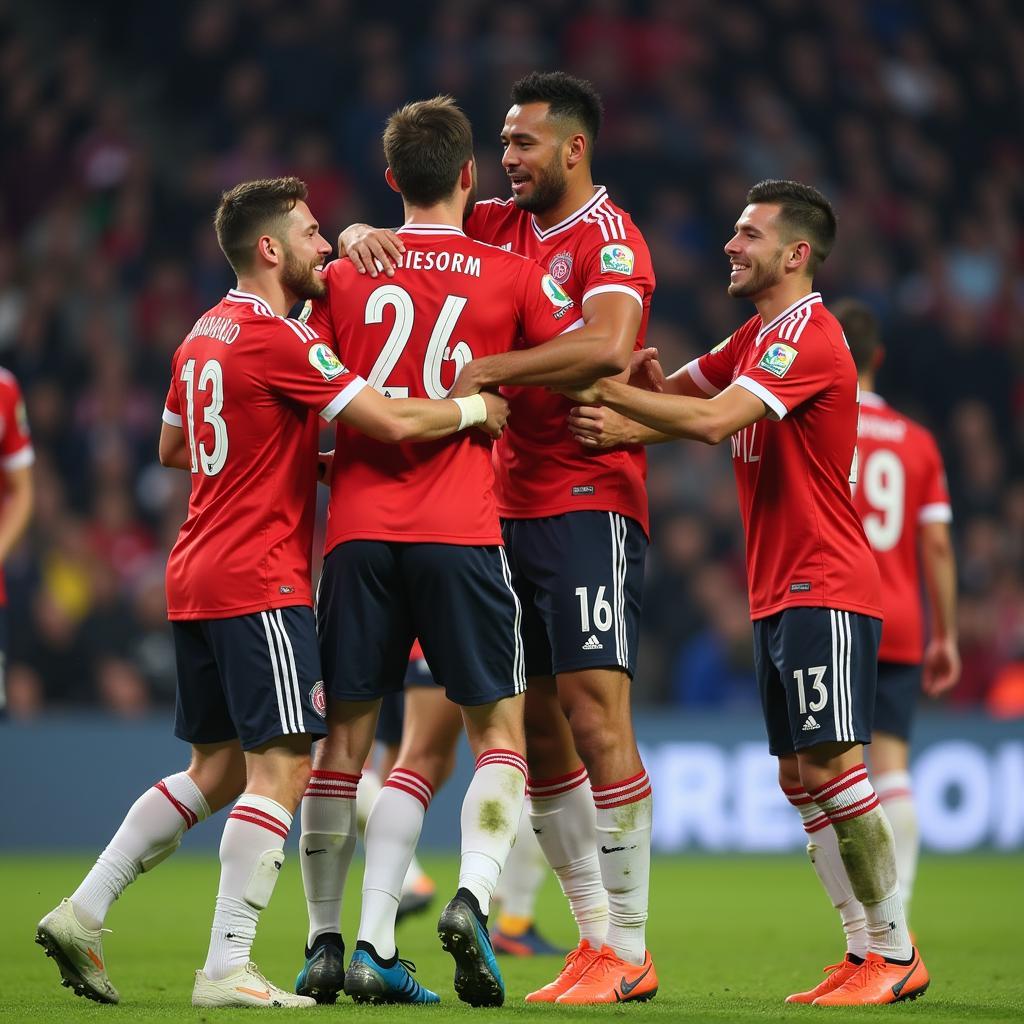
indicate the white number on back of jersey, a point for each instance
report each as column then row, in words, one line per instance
column 211, row 378
column 885, row 485
column 437, row 349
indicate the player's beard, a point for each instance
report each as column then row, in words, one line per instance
column 549, row 187
column 303, row 280
column 763, row 275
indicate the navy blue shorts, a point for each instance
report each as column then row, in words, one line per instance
column 392, row 707
column 255, row 677
column 816, row 670
column 899, row 687
column 580, row 578
column 376, row 597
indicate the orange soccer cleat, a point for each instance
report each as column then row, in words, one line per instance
column 837, row 975
column 610, row 979
column 576, row 963
column 877, row 982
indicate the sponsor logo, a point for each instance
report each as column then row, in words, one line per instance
column 626, row 987
column 285, row 590
column 778, row 359
column 611, row 849
column 583, row 489
column 901, row 984
column 553, row 290
column 322, row 358
column 560, row 266
column 799, row 588
column 811, row 724
column 592, row 644
column 310, row 853
column 318, row 698
column 617, row 259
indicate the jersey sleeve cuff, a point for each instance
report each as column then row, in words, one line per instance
column 698, row 378
column 938, row 512
column 342, row 398
column 574, row 326
column 602, row 288
column 172, row 419
column 777, row 409
column 20, row 459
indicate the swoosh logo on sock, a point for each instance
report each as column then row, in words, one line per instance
column 900, row 985
column 626, row 987
column 252, row 992
column 611, row 849
column 309, row 853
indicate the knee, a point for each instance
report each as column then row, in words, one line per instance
column 594, row 731
column 789, row 773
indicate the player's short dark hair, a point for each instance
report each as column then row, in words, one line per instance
column 804, row 213
column 569, row 99
column 426, row 145
column 252, row 209
column 863, row 334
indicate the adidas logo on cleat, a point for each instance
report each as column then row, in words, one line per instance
column 810, row 725
column 593, row 644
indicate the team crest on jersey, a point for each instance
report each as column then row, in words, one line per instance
column 322, row 358
column 778, row 359
column 318, row 698
column 560, row 266
column 617, row 259
column 307, row 309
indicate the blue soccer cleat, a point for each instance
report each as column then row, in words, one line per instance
column 463, row 933
column 323, row 975
column 366, row 981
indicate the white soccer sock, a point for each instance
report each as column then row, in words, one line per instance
column 564, row 820
column 869, row 855
column 823, row 850
column 491, row 811
column 624, row 812
column 251, row 855
column 326, row 845
column 897, row 800
column 366, row 794
column 150, row 832
column 392, row 831
column 413, row 875
column 523, row 874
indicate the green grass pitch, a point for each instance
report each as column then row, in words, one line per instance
column 731, row 936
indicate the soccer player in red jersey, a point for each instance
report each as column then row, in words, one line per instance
column 902, row 498
column 248, row 388
column 784, row 390
column 575, row 526
column 16, row 494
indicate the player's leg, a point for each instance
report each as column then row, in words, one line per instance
column 269, row 665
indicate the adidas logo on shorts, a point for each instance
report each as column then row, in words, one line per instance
column 593, row 644
column 811, row 724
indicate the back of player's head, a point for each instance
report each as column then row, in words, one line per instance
column 426, row 144
column 250, row 210
column 571, row 100
column 804, row 213
column 863, row 335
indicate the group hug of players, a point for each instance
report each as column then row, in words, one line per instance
column 507, row 532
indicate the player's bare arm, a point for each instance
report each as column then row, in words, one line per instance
column 173, row 449
column 17, row 509
column 941, row 656
column 367, row 246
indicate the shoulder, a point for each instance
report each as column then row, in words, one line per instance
column 8, row 382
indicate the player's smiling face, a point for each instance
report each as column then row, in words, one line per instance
column 305, row 252
column 755, row 252
column 533, row 157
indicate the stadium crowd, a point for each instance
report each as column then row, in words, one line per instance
column 122, row 128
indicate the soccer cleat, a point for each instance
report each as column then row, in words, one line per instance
column 576, row 962
column 837, row 975
column 478, row 979
column 323, row 975
column 878, row 982
column 366, row 981
column 246, row 987
column 417, row 899
column 527, row 943
column 78, row 952
column 610, row 979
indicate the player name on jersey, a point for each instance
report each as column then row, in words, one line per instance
column 454, row 262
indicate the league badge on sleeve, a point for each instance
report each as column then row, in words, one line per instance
column 778, row 359
column 556, row 296
column 322, row 358
column 617, row 259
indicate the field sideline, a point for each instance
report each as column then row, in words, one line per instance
column 731, row 937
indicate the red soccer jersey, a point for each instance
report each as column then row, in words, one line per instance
column 451, row 300
column 247, row 386
column 15, row 442
column 901, row 486
column 805, row 543
column 540, row 468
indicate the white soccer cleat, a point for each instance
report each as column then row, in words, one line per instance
column 246, row 987
column 78, row 953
